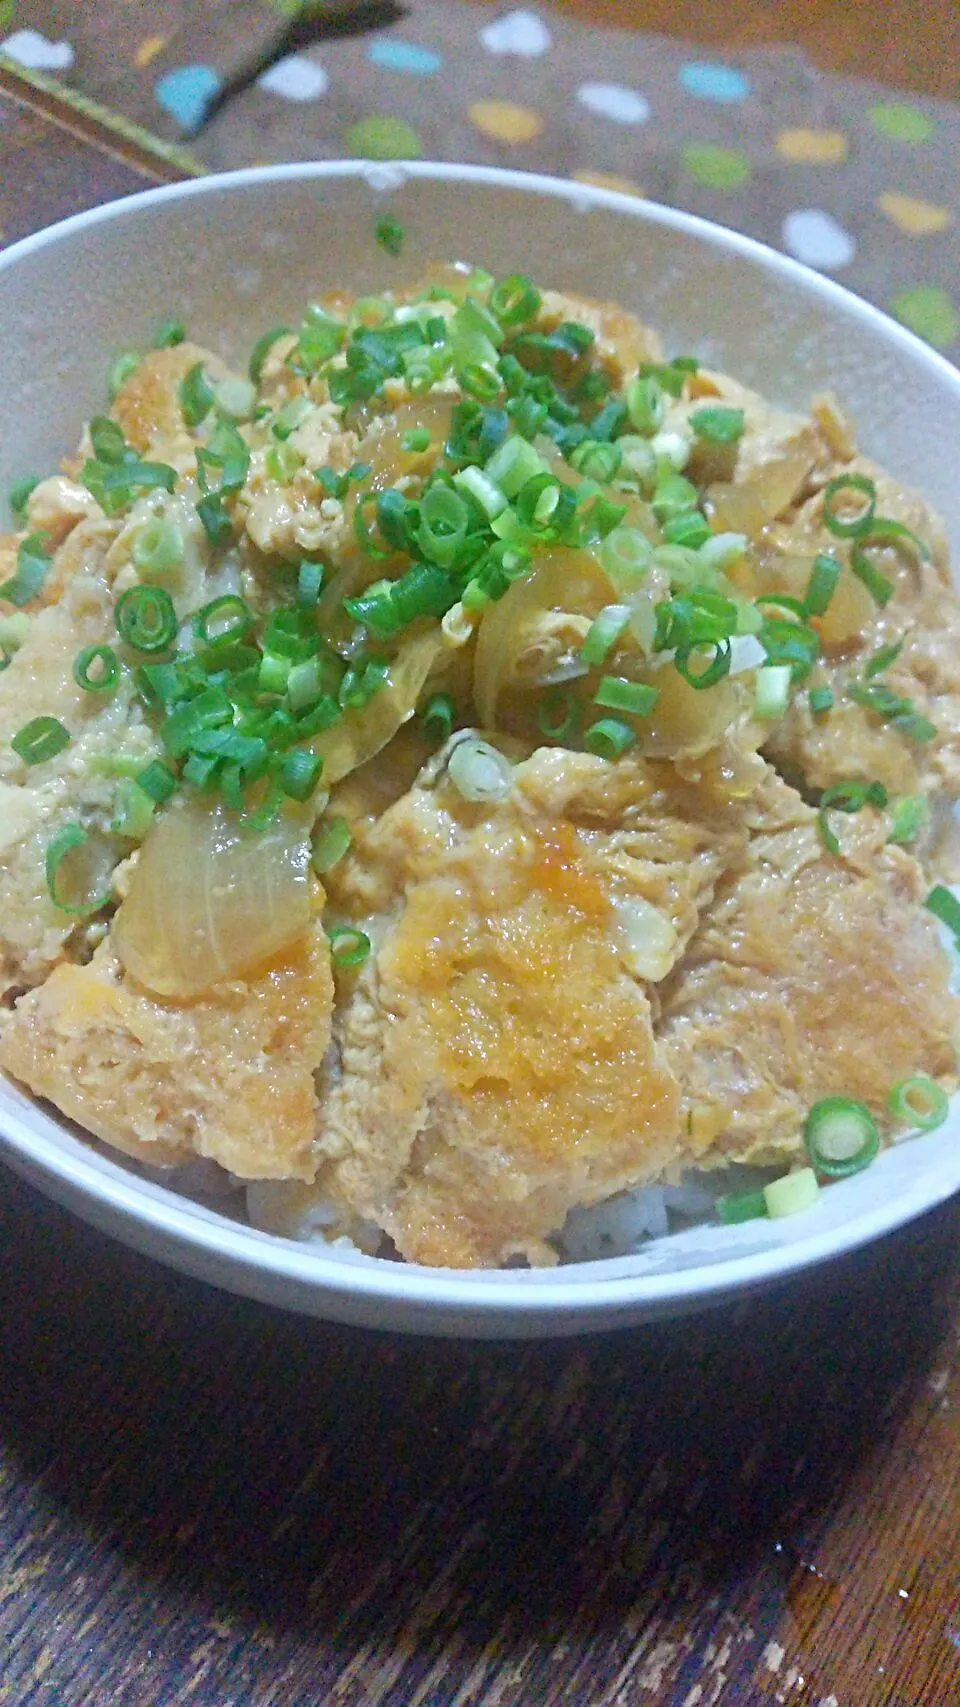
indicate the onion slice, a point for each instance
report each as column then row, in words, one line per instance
column 209, row 900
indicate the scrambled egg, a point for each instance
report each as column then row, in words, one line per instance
column 618, row 964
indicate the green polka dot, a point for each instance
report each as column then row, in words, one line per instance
column 382, row 137
column 930, row 312
column 901, row 122
column 717, row 168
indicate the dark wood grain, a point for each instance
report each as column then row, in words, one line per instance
column 206, row 1504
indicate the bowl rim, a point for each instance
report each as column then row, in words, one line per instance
column 249, row 1254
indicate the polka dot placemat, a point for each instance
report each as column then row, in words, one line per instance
column 858, row 181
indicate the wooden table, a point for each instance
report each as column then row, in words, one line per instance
column 204, row 1503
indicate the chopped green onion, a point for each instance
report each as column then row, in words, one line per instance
column 196, row 396
column 444, row 519
column 348, row 947
column 616, row 693
column 841, row 1136
column 945, row 907
column 282, row 462
column 389, row 234
column 157, row 781
column 157, row 547
column 133, row 811
column 597, row 459
column 793, row 643
column 146, row 618
column 479, row 486
column 674, row 494
column 772, row 693
column 171, row 333
column 822, row 584
column 876, row 583
column 846, row 797
column 920, row 1102
column 513, row 464
column 416, row 439
column 40, row 739
column 310, row 578
column 20, row 492
column 479, row 772
column 331, row 840
column 514, row 299
column 290, row 417
column 626, row 555
column 885, row 531
column 120, row 370
column 437, row 717
column 300, row 773
column 718, row 424
column 821, row 699
column 792, row 1194
column 735, row 1207
column 859, row 486
column 66, row 840
column 479, row 380
column 714, row 670
column 603, row 633
column 608, row 737
column 33, row 562
column 892, row 708
column 223, row 621
column 910, row 817
column 689, row 529
column 883, row 658
column 273, row 675
column 645, row 404
column 96, row 669
column 262, row 348
column 216, row 523
column 319, row 338
column 14, row 630
column 557, row 714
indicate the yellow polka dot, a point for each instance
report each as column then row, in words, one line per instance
column 916, row 218
column 608, row 181
column 505, row 121
column 813, row 147
column 148, row 49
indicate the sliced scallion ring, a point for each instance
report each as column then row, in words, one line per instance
column 331, row 840
column 841, row 1136
column 855, row 486
column 348, row 946
column 920, row 1102
column 479, row 772
column 96, row 669
column 60, row 846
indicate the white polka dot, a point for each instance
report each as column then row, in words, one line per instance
column 614, row 101
column 30, row 48
column 522, row 33
column 295, row 78
column 816, row 238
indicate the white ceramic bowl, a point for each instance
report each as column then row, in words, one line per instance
column 231, row 255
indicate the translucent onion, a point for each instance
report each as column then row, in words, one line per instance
column 210, row 900
column 567, row 588
column 361, row 733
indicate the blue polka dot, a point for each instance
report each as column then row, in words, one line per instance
column 714, row 82
column 404, row 56
column 186, row 94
